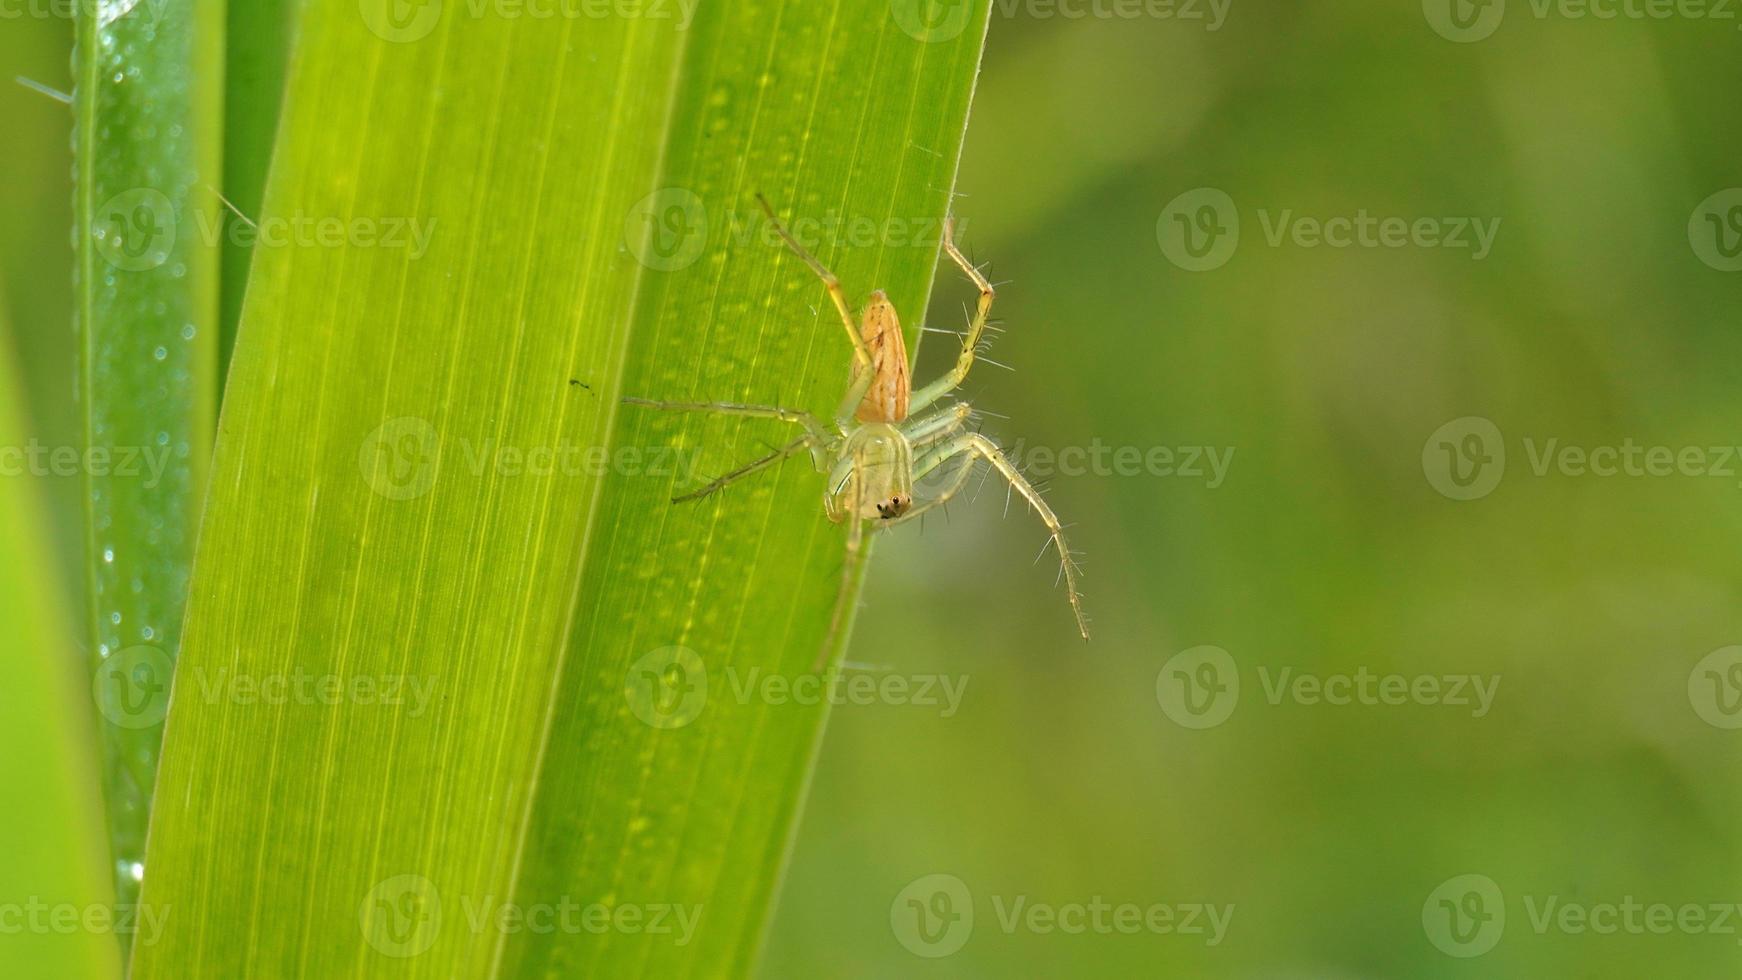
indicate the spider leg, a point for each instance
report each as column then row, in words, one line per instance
column 978, row 446
column 976, row 328
column 780, row 455
column 925, row 465
column 813, row 428
column 841, row 620
column 923, row 433
column 861, row 353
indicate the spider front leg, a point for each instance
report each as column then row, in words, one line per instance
column 815, row 439
column 812, row 426
column 861, row 353
column 971, row 341
column 976, row 446
column 780, row 455
column 840, row 620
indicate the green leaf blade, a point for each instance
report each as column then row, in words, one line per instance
column 847, row 124
column 351, row 535
column 50, row 764
column 147, row 148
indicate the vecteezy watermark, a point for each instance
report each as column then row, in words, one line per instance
column 1465, row 459
column 1715, row 688
column 34, row 459
column 566, row 458
column 104, row 12
column 302, row 687
column 1715, row 230
column 1207, row 463
column 933, row 917
column 1465, row 916
column 36, row 917
column 1467, row 21
column 135, row 231
column 405, row 21
column 412, row 235
column 669, row 687
column 401, row 457
column 1199, row 230
column 403, row 916
column 932, row 21
column 131, row 686
column 670, row 229
column 1200, row 687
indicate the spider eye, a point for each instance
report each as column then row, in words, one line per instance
column 895, row 507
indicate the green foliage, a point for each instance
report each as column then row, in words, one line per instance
column 428, row 504
column 147, row 101
column 48, row 766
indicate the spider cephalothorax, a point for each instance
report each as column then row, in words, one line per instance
column 886, row 435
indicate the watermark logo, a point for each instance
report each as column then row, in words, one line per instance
column 104, row 12
column 401, row 916
column 1465, row 916
column 1465, row 458
column 36, row 917
column 1209, row 464
column 400, row 457
column 667, row 230
column 930, row 21
column 1199, row 230
column 131, row 686
column 401, row 21
column 124, row 462
column 300, row 230
column 668, row 687
column 1464, row 21
column 1715, row 688
column 933, row 916
column 135, row 230
column 1715, row 230
column 1198, row 688
column 303, row 688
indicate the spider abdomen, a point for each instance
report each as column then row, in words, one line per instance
column 886, row 399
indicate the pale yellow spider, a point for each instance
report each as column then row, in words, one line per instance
column 884, row 438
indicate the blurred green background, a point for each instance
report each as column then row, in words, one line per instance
column 1602, row 773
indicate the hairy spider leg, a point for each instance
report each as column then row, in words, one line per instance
column 924, row 431
column 977, row 446
column 751, row 468
column 851, row 565
column 976, row 328
column 863, row 371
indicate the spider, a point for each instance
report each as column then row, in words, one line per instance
column 886, row 436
